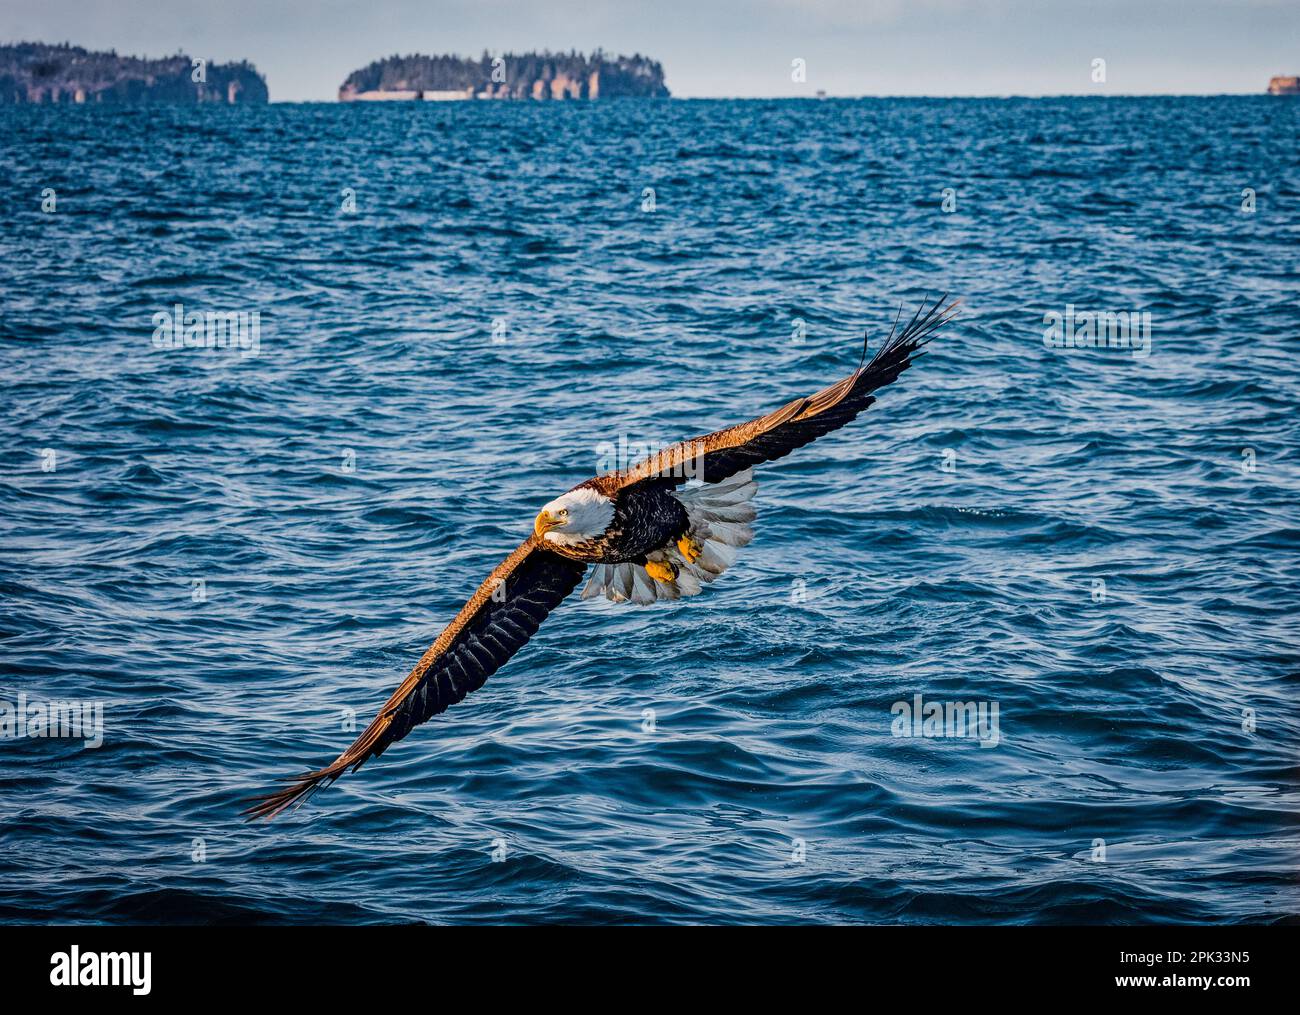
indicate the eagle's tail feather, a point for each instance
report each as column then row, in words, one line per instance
column 720, row 516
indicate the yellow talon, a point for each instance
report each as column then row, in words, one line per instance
column 690, row 548
column 661, row 570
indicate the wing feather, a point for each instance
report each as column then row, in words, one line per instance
column 497, row 621
column 767, row 438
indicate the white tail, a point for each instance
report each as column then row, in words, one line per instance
column 719, row 515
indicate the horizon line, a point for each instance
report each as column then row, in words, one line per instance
column 792, row 98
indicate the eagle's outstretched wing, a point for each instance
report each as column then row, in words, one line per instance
column 727, row 452
column 499, row 618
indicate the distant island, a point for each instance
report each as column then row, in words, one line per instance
column 509, row 76
column 34, row 72
column 1281, row 85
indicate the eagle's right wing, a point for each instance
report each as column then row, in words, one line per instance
column 499, row 618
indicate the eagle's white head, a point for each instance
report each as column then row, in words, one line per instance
column 577, row 517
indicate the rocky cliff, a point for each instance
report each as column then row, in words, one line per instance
column 1284, row 86
column 38, row 73
column 509, row 76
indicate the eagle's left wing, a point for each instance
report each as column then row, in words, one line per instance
column 722, row 454
column 499, row 618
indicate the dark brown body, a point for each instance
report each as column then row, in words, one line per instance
column 647, row 517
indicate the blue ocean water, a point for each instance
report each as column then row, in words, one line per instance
column 463, row 310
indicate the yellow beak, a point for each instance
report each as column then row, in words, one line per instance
column 545, row 522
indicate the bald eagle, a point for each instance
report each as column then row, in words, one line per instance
column 661, row 529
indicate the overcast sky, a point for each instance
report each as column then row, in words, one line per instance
column 723, row 47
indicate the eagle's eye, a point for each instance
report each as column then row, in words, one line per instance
column 562, row 513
